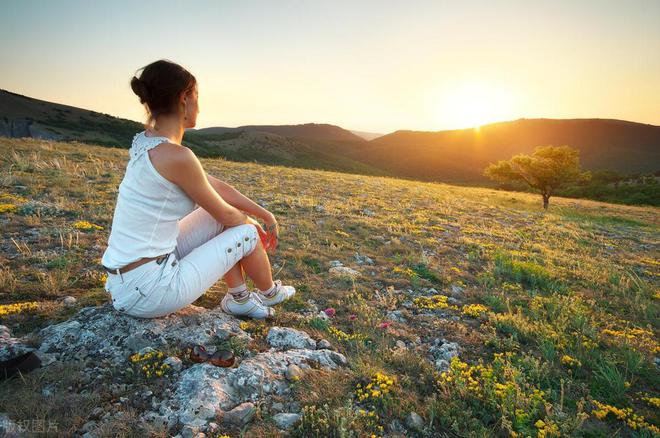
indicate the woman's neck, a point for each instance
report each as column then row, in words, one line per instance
column 171, row 129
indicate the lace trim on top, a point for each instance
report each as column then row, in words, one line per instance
column 142, row 143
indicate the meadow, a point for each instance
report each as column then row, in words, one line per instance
column 554, row 314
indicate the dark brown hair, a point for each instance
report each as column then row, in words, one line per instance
column 159, row 87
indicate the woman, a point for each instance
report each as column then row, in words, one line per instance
column 176, row 230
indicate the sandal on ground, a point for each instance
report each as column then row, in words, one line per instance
column 221, row 358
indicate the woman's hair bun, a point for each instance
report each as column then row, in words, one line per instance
column 140, row 88
column 160, row 86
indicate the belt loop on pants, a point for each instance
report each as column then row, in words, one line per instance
column 163, row 258
column 120, row 275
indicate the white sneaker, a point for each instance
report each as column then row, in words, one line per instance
column 282, row 293
column 252, row 306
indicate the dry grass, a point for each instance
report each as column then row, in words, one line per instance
column 583, row 270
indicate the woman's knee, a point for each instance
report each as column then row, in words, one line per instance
column 250, row 237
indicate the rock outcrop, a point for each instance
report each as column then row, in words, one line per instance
column 197, row 394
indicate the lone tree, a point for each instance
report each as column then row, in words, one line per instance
column 549, row 168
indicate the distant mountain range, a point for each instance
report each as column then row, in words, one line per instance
column 449, row 156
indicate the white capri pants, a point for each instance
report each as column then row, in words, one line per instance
column 203, row 255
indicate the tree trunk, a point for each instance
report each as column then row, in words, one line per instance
column 546, row 201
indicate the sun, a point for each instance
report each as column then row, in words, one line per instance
column 472, row 104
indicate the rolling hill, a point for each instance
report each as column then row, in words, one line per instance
column 457, row 156
column 461, row 155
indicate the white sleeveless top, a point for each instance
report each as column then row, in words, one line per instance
column 148, row 209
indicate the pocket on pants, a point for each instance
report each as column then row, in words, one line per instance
column 126, row 294
column 124, row 299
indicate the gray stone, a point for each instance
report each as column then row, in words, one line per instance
column 414, row 421
column 203, row 389
column 343, row 271
column 240, row 415
column 156, row 419
column 284, row 338
column 442, row 352
column 335, row 263
column 190, row 432
column 174, row 362
column 89, row 426
column 363, row 259
column 286, row 421
column 324, row 344
column 293, row 372
column 104, row 333
column 69, row 301
column 396, row 315
column 11, row 347
column 442, row 365
column 193, row 396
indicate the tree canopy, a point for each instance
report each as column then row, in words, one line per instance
column 549, row 168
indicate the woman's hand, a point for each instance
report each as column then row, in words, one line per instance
column 272, row 231
column 262, row 234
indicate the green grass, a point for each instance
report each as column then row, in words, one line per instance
column 571, row 294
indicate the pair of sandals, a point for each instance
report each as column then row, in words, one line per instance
column 221, row 358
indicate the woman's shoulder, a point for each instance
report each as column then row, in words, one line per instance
column 170, row 159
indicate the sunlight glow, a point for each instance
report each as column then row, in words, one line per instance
column 473, row 104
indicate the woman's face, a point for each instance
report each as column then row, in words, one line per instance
column 191, row 101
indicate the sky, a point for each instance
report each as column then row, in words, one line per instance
column 375, row 66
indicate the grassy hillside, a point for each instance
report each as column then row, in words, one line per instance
column 555, row 315
column 457, row 156
column 461, row 155
column 320, row 131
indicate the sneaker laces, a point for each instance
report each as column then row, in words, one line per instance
column 278, row 287
column 252, row 294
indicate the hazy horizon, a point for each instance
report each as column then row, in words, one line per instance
column 371, row 67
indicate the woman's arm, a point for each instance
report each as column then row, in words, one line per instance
column 186, row 171
column 241, row 202
column 237, row 199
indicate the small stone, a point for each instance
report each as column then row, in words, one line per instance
column 335, row 263
column 414, row 421
column 293, row 372
column 323, row 344
column 277, row 407
column 343, row 270
column 285, row 338
column 190, row 431
column 400, row 345
column 442, row 365
column 456, row 290
column 174, row 362
column 240, row 415
column 69, row 301
column 89, row 426
column 47, row 391
column 286, row 421
column 213, row 427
